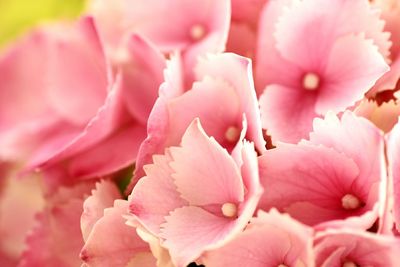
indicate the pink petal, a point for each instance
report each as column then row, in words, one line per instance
column 77, row 72
column 214, row 179
column 122, row 242
column 347, row 81
column 191, row 230
column 270, row 240
column 240, row 77
column 246, row 11
column 393, row 154
column 271, row 67
column 361, row 248
column 282, row 106
column 142, row 74
column 155, row 195
column 57, row 240
column 322, row 22
column 102, row 197
column 310, row 183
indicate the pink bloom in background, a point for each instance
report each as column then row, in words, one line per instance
column 303, row 69
column 271, row 239
column 326, row 182
column 196, row 201
column 350, row 248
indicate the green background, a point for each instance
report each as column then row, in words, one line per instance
column 18, row 16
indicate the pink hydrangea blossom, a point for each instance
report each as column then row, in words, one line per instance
column 302, row 61
column 196, row 201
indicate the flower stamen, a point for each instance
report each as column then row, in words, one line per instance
column 229, row 210
column 311, row 81
column 350, row 202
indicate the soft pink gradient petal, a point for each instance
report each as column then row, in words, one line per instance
column 322, row 22
column 57, row 239
column 155, row 195
column 219, row 111
column 393, row 155
column 247, row 11
column 347, row 81
column 271, row 67
column 93, row 208
column 190, row 230
column 309, row 182
column 286, row 113
column 334, row 247
column 77, row 73
column 142, row 75
column 240, row 77
column 113, row 243
column 269, row 240
column 214, row 179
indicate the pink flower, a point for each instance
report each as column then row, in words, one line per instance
column 196, row 197
column 102, row 220
column 349, row 248
column 303, row 61
column 393, row 198
column 326, row 182
column 223, row 97
column 271, row 239
column 83, row 120
column 191, row 27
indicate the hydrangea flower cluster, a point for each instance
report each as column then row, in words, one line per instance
column 178, row 133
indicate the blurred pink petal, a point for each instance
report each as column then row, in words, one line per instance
column 271, row 239
column 102, row 197
column 355, row 248
column 113, row 243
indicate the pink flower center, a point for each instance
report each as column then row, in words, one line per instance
column 229, row 210
column 311, row 81
column 232, row 134
column 197, row 32
column 350, row 202
column 349, row 264
column 282, row 265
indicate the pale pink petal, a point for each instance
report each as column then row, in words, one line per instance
column 270, row 239
column 286, row 113
column 200, row 180
column 335, row 247
column 271, row 67
column 247, row 11
column 314, row 184
column 321, row 23
column 155, row 195
column 93, row 208
column 215, row 93
column 191, row 230
column 393, row 154
column 112, row 242
column 360, row 134
column 142, row 73
column 345, row 82
column 57, row 239
column 77, row 82
column 240, row 77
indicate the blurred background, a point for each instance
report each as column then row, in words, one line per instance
column 18, row 16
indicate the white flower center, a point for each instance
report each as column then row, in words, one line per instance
column 197, row 32
column 232, row 134
column 229, row 210
column 311, row 81
column 350, row 202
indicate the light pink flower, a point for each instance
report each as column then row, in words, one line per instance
column 271, row 239
column 326, row 182
column 191, row 27
column 349, row 248
column 311, row 60
column 196, row 197
column 223, row 97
